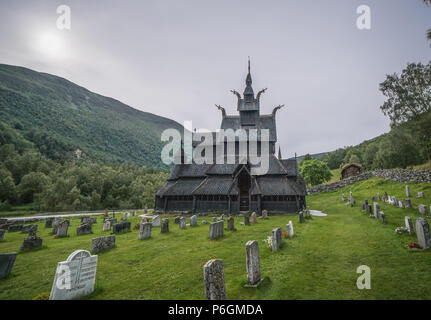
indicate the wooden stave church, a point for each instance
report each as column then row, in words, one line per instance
column 232, row 188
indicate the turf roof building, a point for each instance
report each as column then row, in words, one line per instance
column 233, row 187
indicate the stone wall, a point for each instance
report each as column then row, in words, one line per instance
column 397, row 175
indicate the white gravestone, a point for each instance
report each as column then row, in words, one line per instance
column 74, row 277
column 156, row 221
column 289, row 229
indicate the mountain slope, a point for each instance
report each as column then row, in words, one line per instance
column 60, row 117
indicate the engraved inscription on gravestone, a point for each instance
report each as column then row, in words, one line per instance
column 74, row 277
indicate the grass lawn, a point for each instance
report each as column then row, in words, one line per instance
column 320, row 262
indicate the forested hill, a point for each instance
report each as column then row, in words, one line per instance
column 60, row 117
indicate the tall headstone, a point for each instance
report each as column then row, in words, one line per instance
column 182, row 223
column 165, row 226
column 214, row 280
column 253, row 218
column 408, row 204
column 2, row 232
column 289, row 229
column 156, row 221
column 246, row 220
column 382, row 217
column 193, row 221
column 301, row 216
column 409, row 225
column 48, row 222
column 252, row 262
column 102, row 243
column 74, row 277
column 231, row 224
column 6, row 263
column 84, row 229
column 376, row 210
column 422, row 209
column 423, row 233
column 107, row 225
column 351, row 197
column 379, row 198
column 216, row 230
column 365, row 204
column 264, row 214
column 145, row 230
column 408, row 194
column 62, row 228
column 277, row 239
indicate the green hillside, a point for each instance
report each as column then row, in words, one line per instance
column 59, row 117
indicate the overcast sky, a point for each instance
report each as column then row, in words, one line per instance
column 178, row 58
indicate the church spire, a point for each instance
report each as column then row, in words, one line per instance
column 248, row 91
column 279, row 153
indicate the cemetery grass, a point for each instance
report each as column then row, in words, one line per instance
column 319, row 262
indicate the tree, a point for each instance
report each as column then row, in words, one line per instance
column 314, row 171
column 428, row 3
column 408, row 95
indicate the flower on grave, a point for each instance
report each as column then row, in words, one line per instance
column 414, row 245
column 284, row 234
column 268, row 242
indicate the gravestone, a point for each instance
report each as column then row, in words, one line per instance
column 408, row 191
column 214, row 280
column 421, row 195
column 145, row 230
column 365, row 204
column 14, row 227
column 193, row 221
column 409, row 225
column 145, row 209
column 102, row 243
column 351, row 198
column 134, row 214
column 423, row 233
column 231, row 224
column 379, row 198
column 2, row 232
column 84, row 229
column 253, row 218
column 183, row 223
column 31, row 242
column 370, row 210
column 156, row 221
column 113, row 221
column 55, row 224
column 165, row 226
column 343, row 197
column 106, row 213
column 289, row 229
column 422, row 209
column 125, row 216
column 29, row 228
column 6, row 263
column 376, row 210
column 301, row 216
column 177, row 220
column 74, row 277
column 48, row 222
column 252, row 263
column 382, row 217
column 121, row 227
column 216, row 230
column 408, row 204
column 264, row 214
column 277, row 239
column 92, row 220
column 385, row 196
column 107, row 225
column 246, row 220
column 62, row 228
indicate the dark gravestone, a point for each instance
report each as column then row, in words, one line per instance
column 29, row 228
column 15, row 227
column 246, row 220
column 177, row 220
column 2, row 232
column 31, row 242
column 48, row 223
column 230, row 224
column 84, row 229
column 165, row 226
column 121, row 227
column 6, row 263
column 102, row 243
column 301, row 217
